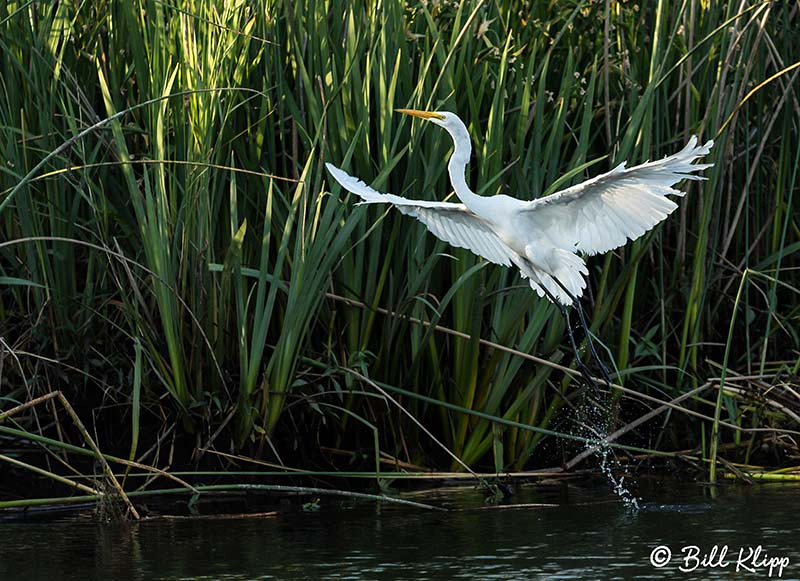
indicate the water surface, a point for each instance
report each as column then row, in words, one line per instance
column 591, row 535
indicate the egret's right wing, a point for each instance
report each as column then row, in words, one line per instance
column 606, row 211
column 453, row 223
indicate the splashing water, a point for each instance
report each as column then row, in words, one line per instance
column 595, row 428
column 618, row 484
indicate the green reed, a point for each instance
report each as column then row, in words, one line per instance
column 215, row 193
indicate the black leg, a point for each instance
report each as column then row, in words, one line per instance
column 603, row 423
column 598, row 361
column 595, row 357
column 585, row 372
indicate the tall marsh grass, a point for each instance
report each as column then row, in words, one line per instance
column 187, row 265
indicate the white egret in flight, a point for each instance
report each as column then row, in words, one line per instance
column 543, row 237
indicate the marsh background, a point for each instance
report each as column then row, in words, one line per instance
column 185, row 273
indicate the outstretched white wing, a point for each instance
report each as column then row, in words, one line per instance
column 604, row 212
column 453, row 223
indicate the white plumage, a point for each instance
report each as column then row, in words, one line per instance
column 453, row 223
column 542, row 237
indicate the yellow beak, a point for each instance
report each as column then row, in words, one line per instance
column 422, row 114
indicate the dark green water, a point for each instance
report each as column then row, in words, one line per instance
column 589, row 536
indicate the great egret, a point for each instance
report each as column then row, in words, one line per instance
column 542, row 237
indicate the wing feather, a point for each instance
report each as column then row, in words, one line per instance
column 453, row 223
column 604, row 212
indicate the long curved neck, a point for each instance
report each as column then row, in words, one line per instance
column 457, row 165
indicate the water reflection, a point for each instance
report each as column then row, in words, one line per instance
column 585, row 538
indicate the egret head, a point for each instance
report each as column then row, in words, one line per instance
column 442, row 118
column 450, row 121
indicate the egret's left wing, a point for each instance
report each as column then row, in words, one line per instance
column 604, row 212
column 453, row 223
